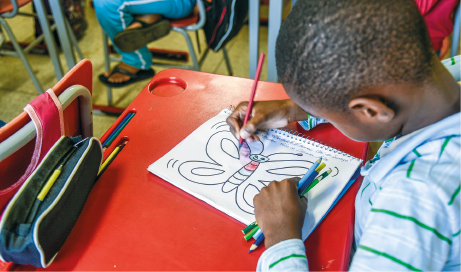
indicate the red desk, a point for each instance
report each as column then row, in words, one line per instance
column 134, row 220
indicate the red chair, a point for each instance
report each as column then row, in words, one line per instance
column 17, row 137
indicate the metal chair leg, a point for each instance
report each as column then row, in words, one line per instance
column 105, row 45
column 226, row 58
column 198, row 41
column 191, row 48
column 21, row 55
column 73, row 40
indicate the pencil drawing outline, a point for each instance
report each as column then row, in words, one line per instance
column 222, row 144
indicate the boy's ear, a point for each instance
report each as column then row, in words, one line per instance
column 374, row 108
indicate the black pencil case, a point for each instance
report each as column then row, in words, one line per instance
column 32, row 231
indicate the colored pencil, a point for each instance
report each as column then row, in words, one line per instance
column 311, row 178
column 315, row 182
column 249, row 227
column 251, row 233
column 257, row 234
column 308, row 177
column 109, row 159
column 320, row 168
column 253, row 92
column 309, row 173
column 116, row 128
column 256, row 243
column 119, row 130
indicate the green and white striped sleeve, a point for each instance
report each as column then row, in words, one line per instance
column 413, row 225
column 288, row 255
column 311, row 122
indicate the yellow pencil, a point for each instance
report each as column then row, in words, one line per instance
column 109, row 158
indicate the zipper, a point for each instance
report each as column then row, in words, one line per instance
column 24, row 229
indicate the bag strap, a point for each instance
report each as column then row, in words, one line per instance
column 46, row 113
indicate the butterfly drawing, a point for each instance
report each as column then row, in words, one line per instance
column 241, row 174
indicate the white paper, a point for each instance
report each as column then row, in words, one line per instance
column 206, row 165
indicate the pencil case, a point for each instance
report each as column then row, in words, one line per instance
column 41, row 215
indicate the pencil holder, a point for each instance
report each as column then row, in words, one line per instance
column 41, row 215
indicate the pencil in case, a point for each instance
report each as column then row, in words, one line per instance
column 32, row 231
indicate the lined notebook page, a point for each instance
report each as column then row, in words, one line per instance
column 207, row 165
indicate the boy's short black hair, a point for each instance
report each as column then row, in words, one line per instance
column 330, row 50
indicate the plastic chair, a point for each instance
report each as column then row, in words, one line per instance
column 193, row 22
column 16, row 137
column 9, row 9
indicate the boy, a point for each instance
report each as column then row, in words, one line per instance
column 368, row 68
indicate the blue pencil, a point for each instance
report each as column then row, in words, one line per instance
column 311, row 178
column 119, row 125
column 257, row 234
column 256, row 243
column 309, row 173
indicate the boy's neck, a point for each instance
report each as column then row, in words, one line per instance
column 438, row 99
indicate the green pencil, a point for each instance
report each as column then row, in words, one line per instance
column 249, row 227
column 315, row 182
column 251, row 233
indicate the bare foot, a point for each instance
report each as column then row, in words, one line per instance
column 146, row 18
column 119, row 78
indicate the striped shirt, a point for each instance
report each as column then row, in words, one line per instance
column 407, row 209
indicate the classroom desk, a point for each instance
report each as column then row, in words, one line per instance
column 134, row 220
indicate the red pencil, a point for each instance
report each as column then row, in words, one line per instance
column 253, row 92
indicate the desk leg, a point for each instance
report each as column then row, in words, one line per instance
column 275, row 21
column 59, row 19
column 41, row 14
column 253, row 32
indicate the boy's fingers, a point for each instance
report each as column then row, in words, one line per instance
column 294, row 181
column 234, row 126
column 252, row 125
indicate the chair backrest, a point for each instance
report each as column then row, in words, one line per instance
column 16, row 137
column 10, row 8
column 202, row 17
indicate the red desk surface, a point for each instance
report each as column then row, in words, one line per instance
column 134, row 220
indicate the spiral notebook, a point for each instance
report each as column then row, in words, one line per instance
column 207, row 165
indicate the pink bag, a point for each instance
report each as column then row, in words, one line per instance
column 45, row 111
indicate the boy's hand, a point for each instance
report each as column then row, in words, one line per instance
column 280, row 211
column 264, row 115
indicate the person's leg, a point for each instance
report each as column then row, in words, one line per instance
column 116, row 15
column 112, row 21
column 149, row 12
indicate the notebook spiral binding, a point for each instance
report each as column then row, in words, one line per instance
column 306, row 139
column 295, row 135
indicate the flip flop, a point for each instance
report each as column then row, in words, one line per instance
column 130, row 40
column 140, row 75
